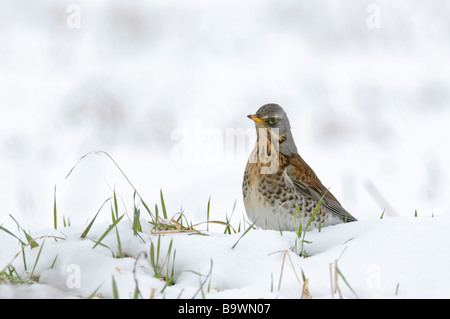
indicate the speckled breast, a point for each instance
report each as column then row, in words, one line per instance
column 271, row 200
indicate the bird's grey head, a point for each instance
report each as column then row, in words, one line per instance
column 272, row 116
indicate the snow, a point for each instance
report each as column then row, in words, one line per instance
column 387, row 258
column 164, row 86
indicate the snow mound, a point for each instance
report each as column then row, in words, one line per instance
column 386, row 258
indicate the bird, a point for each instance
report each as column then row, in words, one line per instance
column 280, row 189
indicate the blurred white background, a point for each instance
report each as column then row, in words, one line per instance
column 365, row 84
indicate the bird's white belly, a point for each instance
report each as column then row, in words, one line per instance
column 279, row 216
column 266, row 216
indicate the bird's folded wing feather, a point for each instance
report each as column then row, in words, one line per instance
column 306, row 181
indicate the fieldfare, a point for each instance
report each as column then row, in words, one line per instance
column 280, row 189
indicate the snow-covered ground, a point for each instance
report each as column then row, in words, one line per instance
column 387, row 258
column 164, row 87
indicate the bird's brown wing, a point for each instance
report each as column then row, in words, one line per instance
column 307, row 183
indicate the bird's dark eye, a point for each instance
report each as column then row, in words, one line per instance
column 271, row 120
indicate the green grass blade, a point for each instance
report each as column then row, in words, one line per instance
column 147, row 209
column 55, row 212
column 113, row 217
column 92, row 295
column 54, row 262
column 158, row 248
column 10, row 233
column 86, row 231
column 30, row 239
column 246, row 231
column 233, row 209
column 303, row 275
column 24, row 258
column 279, row 227
column 227, row 229
column 37, row 259
column 136, row 293
column 116, row 207
column 153, row 262
column 172, row 274
column 136, row 221
column 311, row 218
column 163, row 205
column 156, row 214
column 119, row 244
column 136, row 217
column 316, row 209
column 207, row 213
column 115, row 290
column 345, row 281
column 170, row 248
column 299, row 231
column 108, row 230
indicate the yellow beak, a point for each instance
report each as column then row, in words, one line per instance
column 255, row 118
